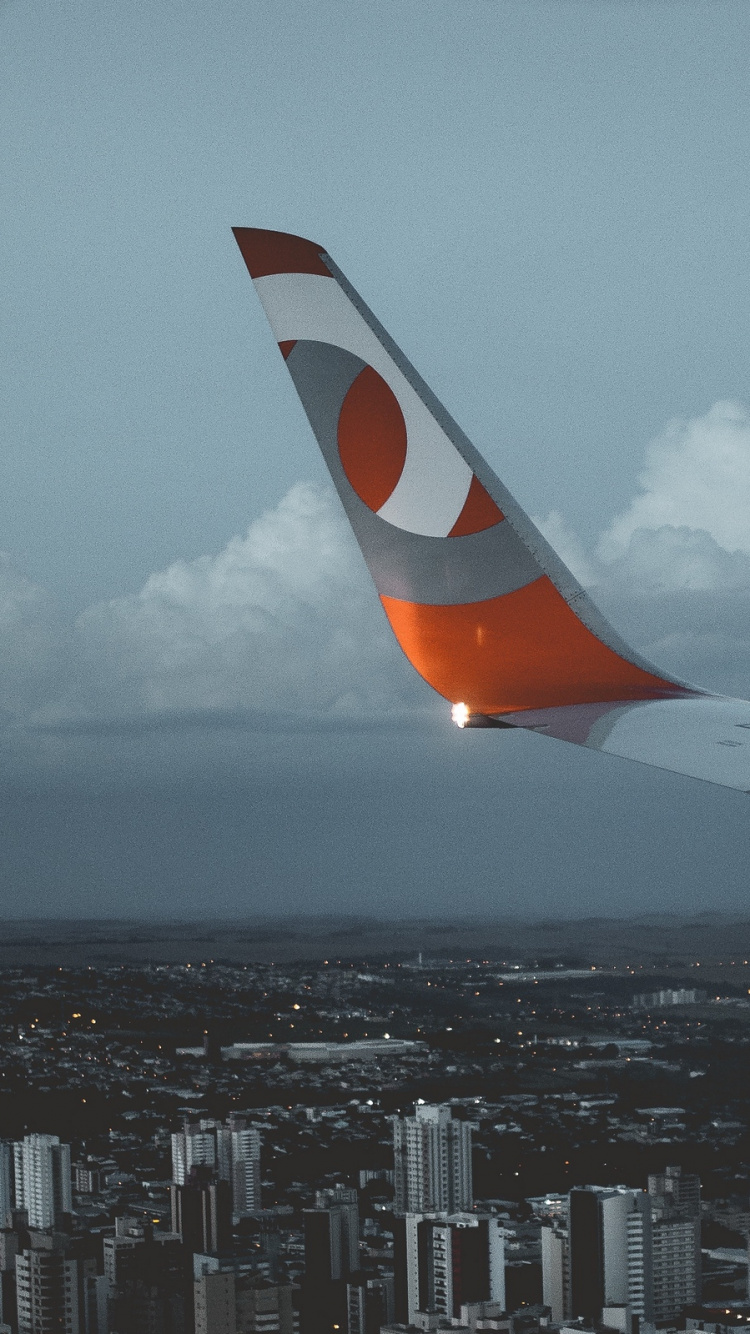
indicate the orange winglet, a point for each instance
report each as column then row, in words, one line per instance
column 525, row 650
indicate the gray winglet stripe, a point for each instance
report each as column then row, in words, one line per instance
column 539, row 549
column 432, row 570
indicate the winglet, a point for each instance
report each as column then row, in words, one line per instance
column 278, row 252
column 482, row 606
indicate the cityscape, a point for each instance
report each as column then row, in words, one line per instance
column 374, row 667
column 366, row 1144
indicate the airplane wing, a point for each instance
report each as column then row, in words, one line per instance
column 481, row 605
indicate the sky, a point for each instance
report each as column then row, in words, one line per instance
column 201, row 710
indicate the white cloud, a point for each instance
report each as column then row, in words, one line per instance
column 672, row 571
column 568, row 546
column 31, row 645
column 669, row 559
column 283, row 619
column 697, row 475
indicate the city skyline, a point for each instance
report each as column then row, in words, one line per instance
column 536, row 1147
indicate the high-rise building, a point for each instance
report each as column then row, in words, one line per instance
column 264, row 1307
column 432, row 1161
column 87, row 1178
column 676, row 1275
column 47, row 1292
column 42, row 1180
column 231, row 1150
column 602, row 1258
column 601, row 1262
column 344, row 1203
column 675, row 1199
column 10, row 1245
column 556, row 1271
column 675, row 1190
column 622, row 1248
column 230, row 1299
column 214, row 1303
column 145, row 1277
column 7, row 1194
column 202, row 1212
column 49, row 1281
column 443, row 1261
column 239, row 1158
column 193, row 1146
column 331, row 1257
column 585, row 1253
column 136, row 1251
column 369, row 1304
column 94, row 1294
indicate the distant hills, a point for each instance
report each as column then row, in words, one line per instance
column 658, row 939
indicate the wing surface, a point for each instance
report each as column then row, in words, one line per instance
column 481, row 605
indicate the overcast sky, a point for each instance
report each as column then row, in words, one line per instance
column 547, row 205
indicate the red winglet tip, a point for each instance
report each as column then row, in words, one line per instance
column 278, row 252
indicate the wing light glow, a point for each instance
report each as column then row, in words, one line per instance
column 460, row 715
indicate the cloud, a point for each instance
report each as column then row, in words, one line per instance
column 282, row 628
column 31, row 641
column 688, row 528
column 670, row 559
column 672, row 571
column 568, row 546
column 282, row 620
column 697, row 476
